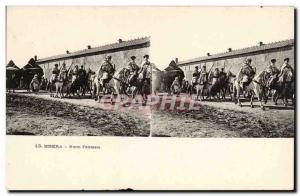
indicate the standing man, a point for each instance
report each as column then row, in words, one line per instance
column 35, row 84
column 175, row 87
column 133, row 70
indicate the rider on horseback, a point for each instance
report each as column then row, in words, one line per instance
column 74, row 73
column 63, row 70
column 145, row 72
column 286, row 73
column 272, row 72
column 216, row 73
column 106, row 71
column 222, row 73
column 55, row 72
column 203, row 75
column 195, row 77
column 246, row 73
column 82, row 72
column 133, row 70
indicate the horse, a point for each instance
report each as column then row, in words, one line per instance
column 200, row 86
column 141, row 86
column 257, row 86
column 120, row 79
column 60, row 83
column 145, row 90
column 227, row 84
column 213, row 87
column 11, row 81
column 82, row 82
column 283, row 89
column 169, row 74
column 89, row 79
column 105, row 87
column 51, row 83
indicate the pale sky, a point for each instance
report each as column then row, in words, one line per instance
column 183, row 32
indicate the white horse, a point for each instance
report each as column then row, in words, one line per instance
column 256, row 87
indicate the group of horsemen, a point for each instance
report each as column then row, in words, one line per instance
column 245, row 76
column 105, row 72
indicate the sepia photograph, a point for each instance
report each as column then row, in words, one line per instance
column 186, row 76
column 150, row 97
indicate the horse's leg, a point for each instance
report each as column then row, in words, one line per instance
column 50, row 87
column 286, row 92
column 224, row 90
column 259, row 92
column 275, row 96
column 251, row 100
column 266, row 96
column 200, row 92
column 238, row 95
column 56, row 91
column 112, row 98
column 197, row 92
column 60, row 92
column 230, row 93
column 285, row 101
column 218, row 94
column 134, row 93
column 98, row 93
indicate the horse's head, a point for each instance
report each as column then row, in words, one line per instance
column 62, row 77
column 230, row 74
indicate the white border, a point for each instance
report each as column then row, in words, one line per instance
column 3, row 3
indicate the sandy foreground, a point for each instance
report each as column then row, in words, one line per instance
column 40, row 114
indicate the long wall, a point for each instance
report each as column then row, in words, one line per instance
column 259, row 60
column 119, row 58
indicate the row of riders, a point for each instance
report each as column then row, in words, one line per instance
column 271, row 81
column 131, row 79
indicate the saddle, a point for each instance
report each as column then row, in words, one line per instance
column 54, row 78
column 132, row 78
column 194, row 80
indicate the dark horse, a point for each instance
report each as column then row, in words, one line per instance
column 169, row 75
column 283, row 89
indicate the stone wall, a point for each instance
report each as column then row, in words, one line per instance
column 259, row 61
column 119, row 58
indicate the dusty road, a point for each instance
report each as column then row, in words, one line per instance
column 34, row 115
column 40, row 114
column 225, row 119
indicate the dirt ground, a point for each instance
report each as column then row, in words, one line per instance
column 27, row 115
column 31, row 114
column 225, row 119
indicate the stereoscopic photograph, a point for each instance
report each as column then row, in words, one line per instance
column 210, row 73
column 150, row 72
